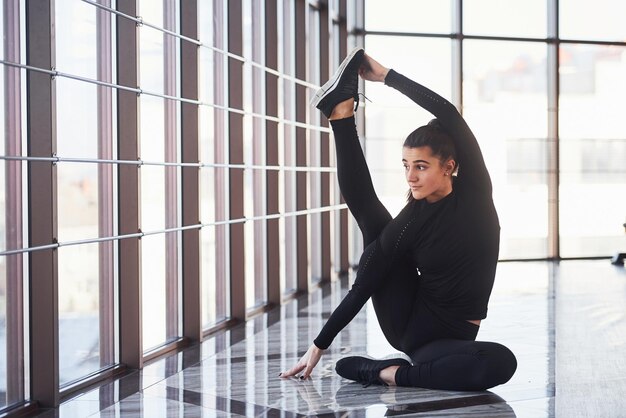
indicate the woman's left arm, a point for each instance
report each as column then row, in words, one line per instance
column 472, row 168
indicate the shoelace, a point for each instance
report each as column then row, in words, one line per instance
column 356, row 100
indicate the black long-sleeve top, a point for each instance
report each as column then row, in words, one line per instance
column 453, row 243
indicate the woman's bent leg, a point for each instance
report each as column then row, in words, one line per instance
column 394, row 303
column 458, row 365
column 355, row 181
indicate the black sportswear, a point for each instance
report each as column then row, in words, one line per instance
column 450, row 247
column 431, row 268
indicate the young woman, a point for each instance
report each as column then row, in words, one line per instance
column 429, row 270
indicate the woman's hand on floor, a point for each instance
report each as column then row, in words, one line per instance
column 307, row 363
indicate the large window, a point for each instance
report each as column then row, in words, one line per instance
column 505, row 102
column 592, row 149
column 85, row 210
column 160, row 190
column 545, row 109
column 214, row 155
column 161, row 178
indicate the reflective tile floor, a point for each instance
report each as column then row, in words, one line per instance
column 570, row 349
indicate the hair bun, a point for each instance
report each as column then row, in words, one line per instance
column 435, row 123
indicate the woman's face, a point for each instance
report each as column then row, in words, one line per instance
column 426, row 175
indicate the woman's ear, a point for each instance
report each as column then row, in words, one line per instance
column 450, row 166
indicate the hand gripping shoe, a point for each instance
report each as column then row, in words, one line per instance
column 342, row 85
column 364, row 370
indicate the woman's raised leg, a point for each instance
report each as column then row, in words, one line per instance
column 355, row 181
column 335, row 99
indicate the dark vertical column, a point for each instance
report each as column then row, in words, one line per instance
column 302, row 253
column 106, row 227
column 554, row 169
column 324, row 55
column 271, row 153
column 344, row 261
column 13, row 205
column 192, row 301
column 235, row 152
column 42, row 208
column 129, row 209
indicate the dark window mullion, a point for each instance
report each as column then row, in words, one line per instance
column 129, row 205
column 192, row 290
column 42, row 212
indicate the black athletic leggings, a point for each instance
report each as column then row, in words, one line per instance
column 443, row 350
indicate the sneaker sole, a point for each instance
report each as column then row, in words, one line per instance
column 330, row 85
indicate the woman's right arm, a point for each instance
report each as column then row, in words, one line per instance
column 341, row 316
column 373, row 265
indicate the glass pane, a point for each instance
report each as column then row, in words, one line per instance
column 12, row 350
column 151, row 55
column 505, row 104
column 505, row 18
column 314, row 197
column 286, row 60
column 419, row 16
column 3, row 174
column 77, row 119
column 3, row 282
column 599, row 20
column 2, row 32
column 152, row 11
column 152, row 198
column 75, row 44
column 592, row 150
column 249, row 227
column 78, row 201
column 77, row 114
column 390, row 116
column 160, row 305
column 254, row 153
column 13, row 268
column 160, row 253
column 153, row 290
column 86, row 271
column 81, row 330
column 207, row 175
column 215, row 292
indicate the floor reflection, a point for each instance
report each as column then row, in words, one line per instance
column 236, row 373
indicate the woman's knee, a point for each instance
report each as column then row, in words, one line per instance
column 509, row 363
column 502, row 364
